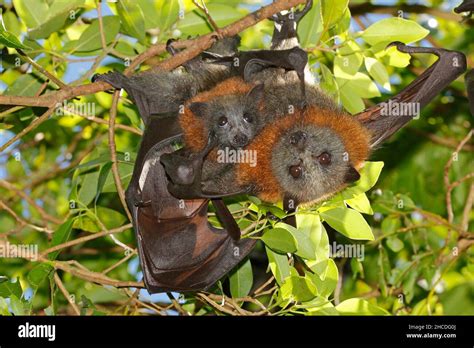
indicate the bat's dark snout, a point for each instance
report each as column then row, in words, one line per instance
column 240, row 140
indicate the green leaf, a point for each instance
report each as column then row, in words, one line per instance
column 308, row 236
column 241, row 280
column 333, row 11
column 61, row 235
column 132, row 18
column 4, row 311
column 32, row 12
column 298, row 288
column 12, row 23
column 396, row 58
column 278, row 264
column 348, row 222
column 26, row 85
column 147, row 7
column 8, row 289
column 59, row 13
column 328, row 83
column 394, row 29
column 194, row 23
column 327, row 285
column 90, row 39
column 109, row 217
column 361, row 204
column 38, row 274
column 348, row 64
column 18, row 307
column 395, row 244
column 357, row 306
column 404, row 202
column 125, row 172
column 378, row 72
column 88, row 189
column 351, row 101
column 10, row 40
column 310, row 27
column 103, row 173
column 168, row 14
column 359, row 83
column 280, row 240
column 342, row 26
column 369, row 175
column 390, row 224
column 326, row 309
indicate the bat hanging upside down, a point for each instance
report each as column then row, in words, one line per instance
column 316, row 151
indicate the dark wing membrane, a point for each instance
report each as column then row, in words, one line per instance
column 470, row 89
column 179, row 250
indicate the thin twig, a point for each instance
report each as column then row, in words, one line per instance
column 209, row 18
column 85, row 239
column 5, row 184
column 113, row 153
column 36, row 122
column 42, row 70
column 66, row 294
column 467, row 209
column 447, row 167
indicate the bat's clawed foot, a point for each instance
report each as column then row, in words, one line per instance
column 304, row 11
column 114, row 78
column 413, row 50
column 292, row 15
column 456, row 61
column 169, row 47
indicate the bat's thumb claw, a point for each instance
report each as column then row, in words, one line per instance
column 397, row 44
column 95, row 77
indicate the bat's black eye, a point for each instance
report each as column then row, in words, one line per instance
column 296, row 171
column 324, row 158
column 222, row 121
column 248, row 118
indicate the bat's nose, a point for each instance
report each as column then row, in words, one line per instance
column 298, row 139
column 241, row 140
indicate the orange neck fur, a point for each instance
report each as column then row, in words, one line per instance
column 194, row 130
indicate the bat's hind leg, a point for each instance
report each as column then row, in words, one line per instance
column 446, row 69
column 115, row 78
column 191, row 65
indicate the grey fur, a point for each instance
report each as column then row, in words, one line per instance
column 157, row 92
column 283, row 94
column 241, row 113
column 317, row 180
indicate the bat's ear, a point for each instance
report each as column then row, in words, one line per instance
column 255, row 95
column 199, row 109
column 351, row 175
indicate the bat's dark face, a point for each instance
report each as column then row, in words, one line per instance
column 234, row 119
column 311, row 162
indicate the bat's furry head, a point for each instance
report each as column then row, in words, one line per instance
column 306, row 156
column 230, row 110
